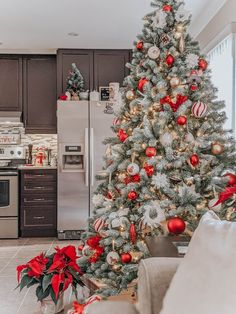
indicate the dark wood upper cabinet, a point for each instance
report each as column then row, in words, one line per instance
column 110, row 66
column 40, row 95
column 83, row 60
column 10, row 83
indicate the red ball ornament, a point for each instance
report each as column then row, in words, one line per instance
column 194, row 160
column 122, row 135
column 202, row 64
column 132, row 195
column 194, row 87
column 181, row 120
column 150, row 152
column 149, row 170
column 142, row 83
column 135, row 178
column 170, row 60
column 231, row 178
column 139, row 45
column 167, row 8
column 126, row 258
column 176, row 225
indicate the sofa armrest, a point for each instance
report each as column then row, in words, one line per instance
column 155, row 275
column 112, row 307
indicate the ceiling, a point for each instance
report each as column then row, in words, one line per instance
column 43, row 25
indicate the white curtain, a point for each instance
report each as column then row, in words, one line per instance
column 222, row 64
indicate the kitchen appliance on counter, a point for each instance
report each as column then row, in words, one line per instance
column 82, row 127
column 10, row 157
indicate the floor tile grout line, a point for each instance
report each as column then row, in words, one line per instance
column 13, row 256
column 23, row 300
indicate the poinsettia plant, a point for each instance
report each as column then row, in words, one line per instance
column 52, row 273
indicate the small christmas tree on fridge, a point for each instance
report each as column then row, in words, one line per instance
column 75, row 81
column 170, row 159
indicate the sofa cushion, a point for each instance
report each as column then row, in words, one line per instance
column 205, row 280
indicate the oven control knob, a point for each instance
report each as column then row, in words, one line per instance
column 19, row 152
column 12, row 152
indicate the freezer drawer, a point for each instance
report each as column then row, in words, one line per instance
column 8, row 227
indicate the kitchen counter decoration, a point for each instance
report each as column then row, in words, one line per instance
column 53, row 274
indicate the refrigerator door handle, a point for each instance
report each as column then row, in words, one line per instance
column 86, row 157
column 92, row 155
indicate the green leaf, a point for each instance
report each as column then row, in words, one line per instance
column 24, row 281
column 32, row 282
column 46, row 281
column 53, row 296
column 42, row 294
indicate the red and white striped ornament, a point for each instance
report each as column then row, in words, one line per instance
column 98, row 224
column 199, row 109
column 116, row 121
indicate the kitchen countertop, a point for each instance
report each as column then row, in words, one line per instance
column 23, row 167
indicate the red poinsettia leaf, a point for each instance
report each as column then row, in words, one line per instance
column 36, row 268
column 19, row 270
column 57, row 265
column 68, row 281
column 56, row 281
column 70, row 252
column 75, row 267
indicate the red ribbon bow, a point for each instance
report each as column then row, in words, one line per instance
column 180, row 99
column 79, row 308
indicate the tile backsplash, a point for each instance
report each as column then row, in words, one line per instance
column 40, row 140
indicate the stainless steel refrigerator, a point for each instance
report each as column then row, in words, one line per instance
column 82, row 127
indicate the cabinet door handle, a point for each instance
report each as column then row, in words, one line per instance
column 39, row 188
column 39, row 175
column 39, row 199
column 39, row 217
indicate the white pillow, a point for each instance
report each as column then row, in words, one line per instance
column 205, row 282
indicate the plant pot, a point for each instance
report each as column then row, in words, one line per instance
column 49, row 307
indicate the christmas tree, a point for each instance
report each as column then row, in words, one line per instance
column 170, row 159
column 75, row 81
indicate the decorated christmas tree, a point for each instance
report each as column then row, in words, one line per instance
column 170, row 159
column 75, row 81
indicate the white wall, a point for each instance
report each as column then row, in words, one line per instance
column 218, row 25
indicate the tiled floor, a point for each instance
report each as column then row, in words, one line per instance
column 13, row 253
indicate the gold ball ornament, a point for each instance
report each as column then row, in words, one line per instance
column 217, row 148
column 174, row 82
column 130, row 95
column 144, row 145
column 130, row 131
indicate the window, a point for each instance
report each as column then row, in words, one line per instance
column 222, row 64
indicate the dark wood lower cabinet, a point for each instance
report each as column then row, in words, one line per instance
column 38, row 203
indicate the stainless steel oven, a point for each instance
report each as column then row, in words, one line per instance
column 8, row 203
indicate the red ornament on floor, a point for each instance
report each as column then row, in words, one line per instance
column 202, row 64
column 141, row 84
column 176, row 225
column 170, row 60
column 132, row 195
column 167, row 8
column 232, row 178
column 150, row 152
column 181, row 120
column 139, row 45
column 126, row 258
column 194, row 160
